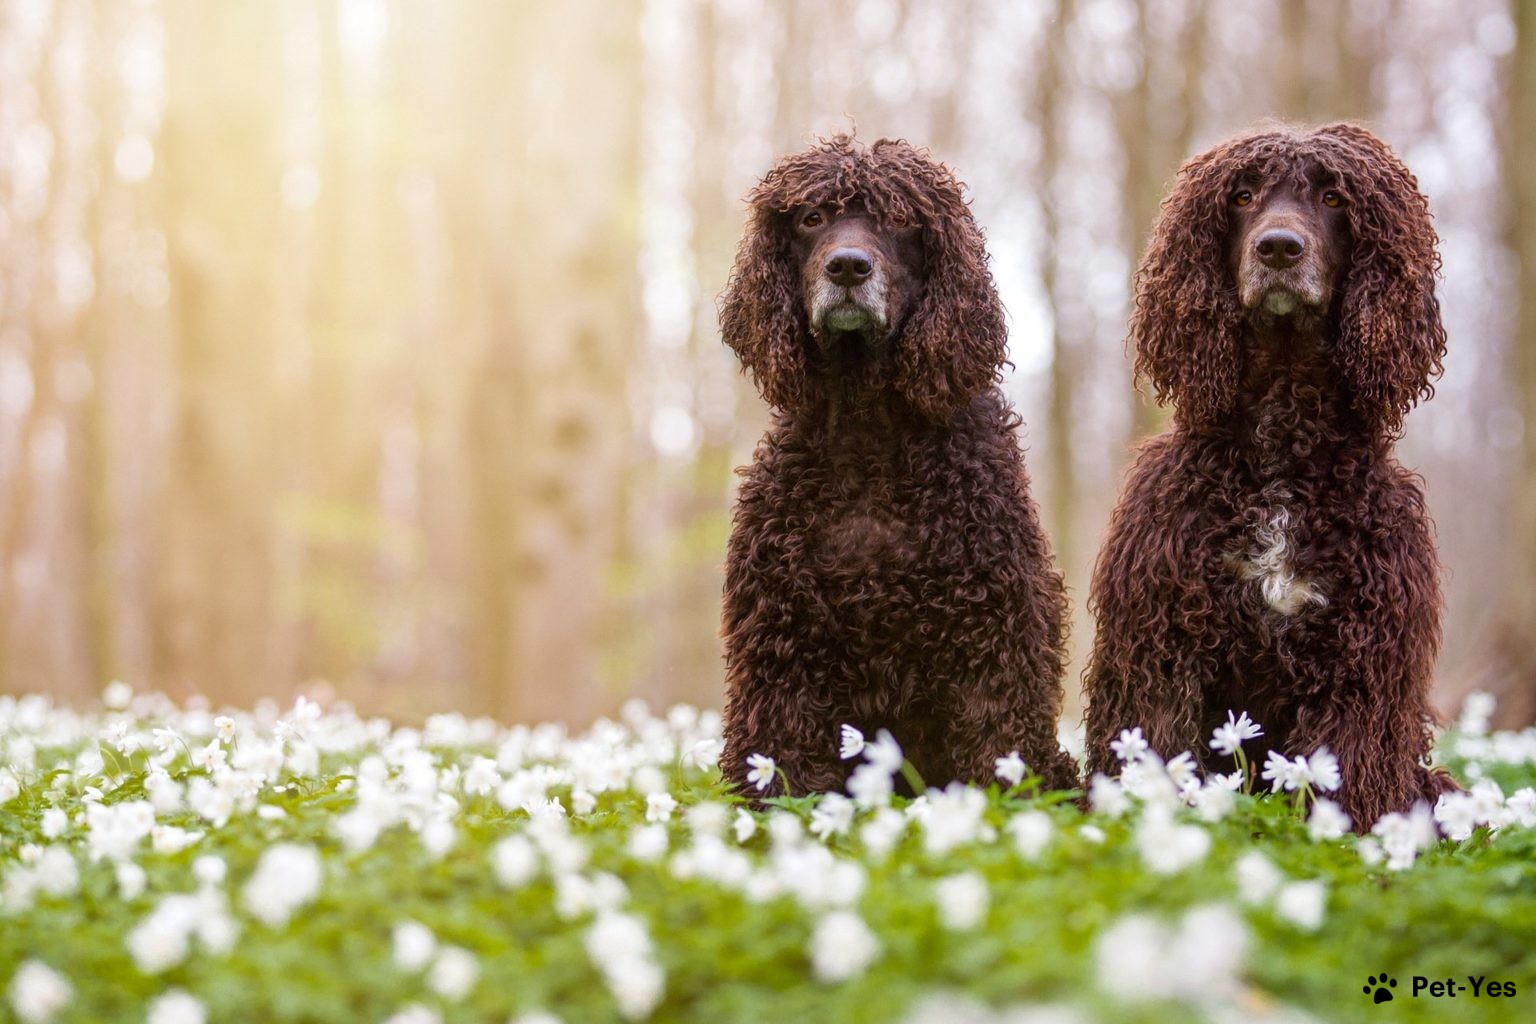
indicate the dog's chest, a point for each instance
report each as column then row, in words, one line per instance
column 1267, row 560
column 856, row 535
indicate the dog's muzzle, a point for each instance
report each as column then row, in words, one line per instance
column 1280, row 273
column 858, row 310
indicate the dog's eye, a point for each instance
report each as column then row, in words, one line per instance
column 1242, row 197
column 1332, row 198
column 811, row 220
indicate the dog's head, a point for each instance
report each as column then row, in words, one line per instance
column 862, row 270
column 1320, row 236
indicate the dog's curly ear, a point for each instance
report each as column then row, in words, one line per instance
column 1391, row 338
column 1185, row 322
column 956, row 341
column 760, row 312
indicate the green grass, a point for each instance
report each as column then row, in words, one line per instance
column 1464, row 909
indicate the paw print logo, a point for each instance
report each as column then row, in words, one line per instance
column 1383, row 986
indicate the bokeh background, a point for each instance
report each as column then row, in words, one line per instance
column 368, row 348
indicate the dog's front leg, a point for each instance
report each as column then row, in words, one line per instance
column 1363, row 691
column 771, row 718
column 998, row 718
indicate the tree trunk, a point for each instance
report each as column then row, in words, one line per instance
column 1511, row 659
column 212, row 598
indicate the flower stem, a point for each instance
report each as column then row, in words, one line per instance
column 909, row 772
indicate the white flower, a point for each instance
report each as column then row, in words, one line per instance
column 842, row 946
column 131, row 880
column 169, row 839
column 745, row 825
column 1257, row 877
column 1168, row 847
column 114, row 832
column 55, row 821
column 1107, row 796
column 870, row 786
column 176, row 1007
column 453, row 973
column 1488, row 803
column 1229, row 737
column 1182, row 771
column 647, row 843
column 1283, row 773
column 1520, row 808
column 1031, row 831
column 962, row 900
column 882, row 831
column 618, row 946
column 1324, row 770
column 637, row 984
column 514, row 860
column 117, row 695
column 210, row 757
column 415, row 1013
column 832, row 816
column 762, row 771
column 1130, row 746
column 536, row 1017
column 1457, row 814
column 166, row 741
column 38, row 992
column 615, row 936
column 1327, row 821
column 1475, row 712
column 163, row 939
column 481, row 778
column 286, row 878
column 1011, row 768
column 1140, row 958
column 784, row 829
column 1231, row 780
column 1402, row 836
column 884, row 753
column 1214, row 800
column 707, row 818
column 1130, row 957
column 852, row 742
column 1370, row 851
column 209, row 870
column 1302, row 904
column 659, row 807
column 1148, row 780
column 56, row 872
column 953, row 817
column 704, row 754
column 1092, row 834
column 414, row 945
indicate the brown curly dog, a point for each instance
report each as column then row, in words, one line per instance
column 1268, row 553
column 886, row 567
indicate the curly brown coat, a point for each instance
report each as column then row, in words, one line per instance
column 1268, row 553
column 886, row 567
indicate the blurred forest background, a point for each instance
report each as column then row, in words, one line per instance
column 369, row 346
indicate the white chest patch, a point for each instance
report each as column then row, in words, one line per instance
column 1269, row 565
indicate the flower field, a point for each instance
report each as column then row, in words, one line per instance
column 180, row 865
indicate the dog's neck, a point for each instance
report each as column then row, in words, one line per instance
column 1293, row 405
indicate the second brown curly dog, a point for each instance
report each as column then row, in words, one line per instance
column 1268, row 553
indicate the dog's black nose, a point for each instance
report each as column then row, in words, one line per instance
column 849, row 267
column 1280, row 248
